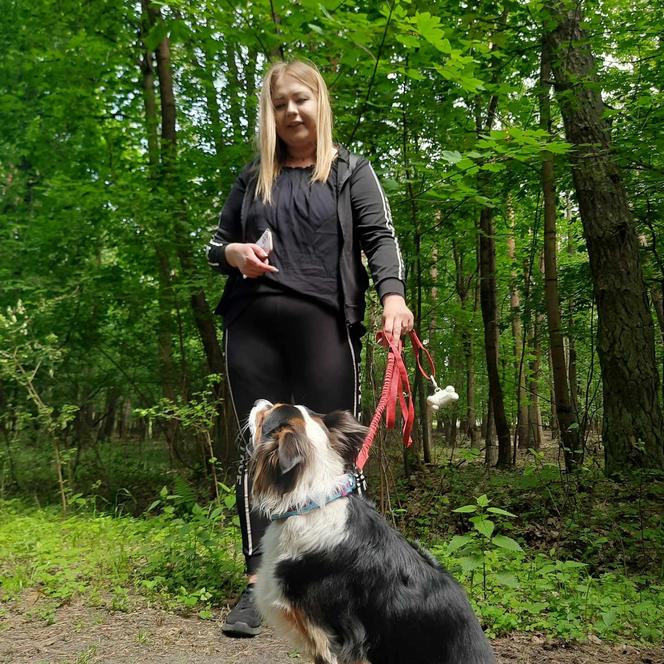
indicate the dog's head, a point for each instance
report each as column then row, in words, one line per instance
column 299, row 455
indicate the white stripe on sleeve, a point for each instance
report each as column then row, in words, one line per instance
column 388, row 221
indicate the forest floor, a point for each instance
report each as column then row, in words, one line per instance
column 80, row 634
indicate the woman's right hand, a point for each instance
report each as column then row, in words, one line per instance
column 249, row 258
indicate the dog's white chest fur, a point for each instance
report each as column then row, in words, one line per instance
column 291, row 539
column 321, row 529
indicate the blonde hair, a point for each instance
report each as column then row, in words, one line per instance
column 272, row 149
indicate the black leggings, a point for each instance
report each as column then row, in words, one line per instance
column 288, row 349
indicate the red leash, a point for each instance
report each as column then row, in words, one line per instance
column 396, row 388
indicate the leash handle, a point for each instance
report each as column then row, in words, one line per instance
column 417, row 347
column 396, row 388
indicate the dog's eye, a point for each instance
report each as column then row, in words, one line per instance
column 268, row 432
column 279, row 417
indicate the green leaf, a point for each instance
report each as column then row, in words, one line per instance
column 415, row 74
column 484, row 526
column 558, row 147
column 451, row 157
column 497, row 510
column 457, row 542
column 483, row 500
column 506, row 579
column 465, row 164
column 609, row 617
column 505, row 542
column 429, row 27
column 494, row 167
column 409, row 41
column 466, row 509
column 469, row 563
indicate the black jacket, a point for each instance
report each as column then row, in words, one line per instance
column 365, row 222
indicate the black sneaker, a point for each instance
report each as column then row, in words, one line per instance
column 244, row 619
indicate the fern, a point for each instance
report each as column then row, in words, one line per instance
column 184, row 494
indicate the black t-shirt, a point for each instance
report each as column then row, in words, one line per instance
column 305, row 235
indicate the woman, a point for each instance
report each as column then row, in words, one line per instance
column 293, row 315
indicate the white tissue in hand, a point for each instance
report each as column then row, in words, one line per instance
column 441, row 398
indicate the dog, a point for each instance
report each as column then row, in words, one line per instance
column 335, row 577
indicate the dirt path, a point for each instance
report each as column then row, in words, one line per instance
column 81, row 635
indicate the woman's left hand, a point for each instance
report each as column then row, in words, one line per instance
column 397, row 317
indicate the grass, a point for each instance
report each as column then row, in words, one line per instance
column 63, row 557
column 187, row 561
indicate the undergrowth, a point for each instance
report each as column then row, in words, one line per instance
column 607, row 525
column 560, row 598
column 517, row 590
column 185, row 557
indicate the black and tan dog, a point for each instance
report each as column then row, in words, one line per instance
column 345, row 586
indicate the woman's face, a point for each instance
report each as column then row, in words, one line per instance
column 295, row 112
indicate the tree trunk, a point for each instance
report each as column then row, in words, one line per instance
column 234, row 101
column 568, row 425
column 199, row 306
column 656, row 294
column 488, row 295
column 535, row 429
column 207, row 75
column 464, row 282
column 165, row 295
column 633, row 429
column 107, row 421
column 519, row 347
column 490, row 320
column 490, row 454
column 451, row 434
column 419, row 391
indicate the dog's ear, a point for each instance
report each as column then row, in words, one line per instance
column 347, row 434
column 290, row 454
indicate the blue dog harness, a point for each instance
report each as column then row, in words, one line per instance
column 347, row 487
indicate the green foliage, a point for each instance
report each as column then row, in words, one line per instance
column 610, row 526
column 583, row 556
column 191, row 560
column 196, row 416
column 527, row 591
column 66, row 557
column 537, row 593
column 476, row 546
column 120, row 477
column 23, row 355
column 186, row 556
